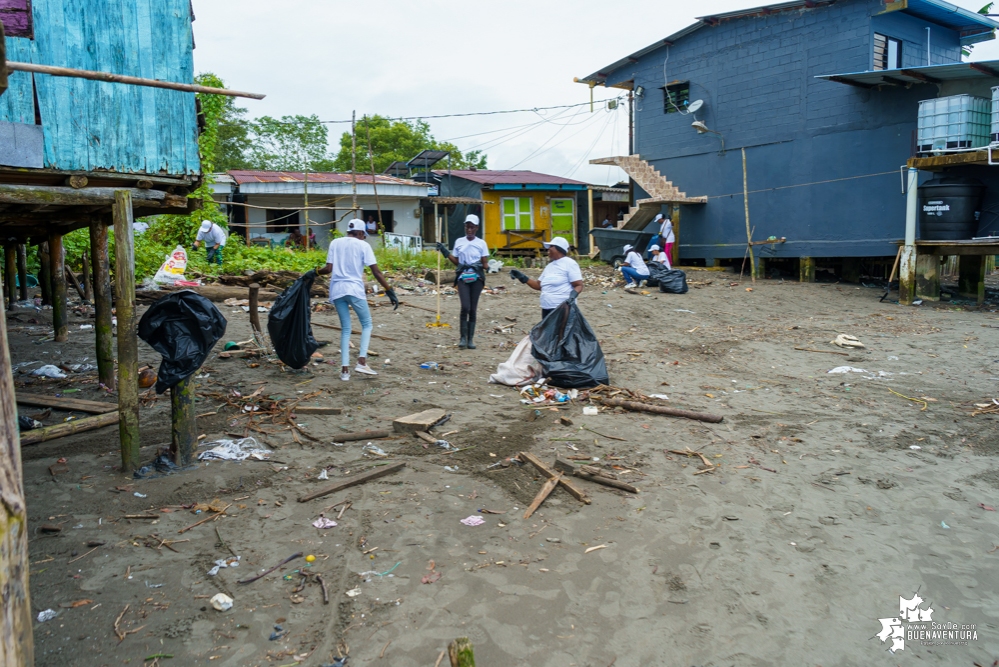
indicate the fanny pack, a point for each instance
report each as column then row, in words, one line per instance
column 468, row 275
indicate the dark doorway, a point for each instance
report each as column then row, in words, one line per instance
column 281, row 220
column 388, row 221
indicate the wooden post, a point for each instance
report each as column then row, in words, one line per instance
column 928, row 277
column 10, row 275
column 851, row 269
column 183, row 431
column 88, row 283
column 675, row 218
column 102, row 304
column 128, row 350
column 57, row 278
column 16, row 644
column 971, row 277
column 44, row 273
column 749, row 231
column 460, row 653
column 22, row 272
column 806, row 269
column 254, row 313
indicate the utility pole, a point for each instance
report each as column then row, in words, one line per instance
column 305, row 184
column 353, row 160
column 631, row 143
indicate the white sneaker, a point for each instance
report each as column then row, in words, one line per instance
column 641, row 283
column 365, row 369
column 344, row 376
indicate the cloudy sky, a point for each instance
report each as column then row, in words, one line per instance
column 440, row 57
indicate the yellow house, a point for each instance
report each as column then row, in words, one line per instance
column 525, row 209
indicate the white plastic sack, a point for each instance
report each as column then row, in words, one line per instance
column 520, row 369
column 173, row 267
column 238, row 450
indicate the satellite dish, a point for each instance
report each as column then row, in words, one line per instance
column 695, row 106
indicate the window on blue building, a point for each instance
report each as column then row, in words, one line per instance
column 887, row 52
column 676, row 97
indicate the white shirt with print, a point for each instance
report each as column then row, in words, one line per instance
column 347, row 258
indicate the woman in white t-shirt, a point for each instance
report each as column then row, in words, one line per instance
column 558, row 281
column 471, row 257
column 660, row 256
column 633, row 268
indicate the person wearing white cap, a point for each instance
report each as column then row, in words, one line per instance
column 561, row 279
column 666, row 237
column 214, row 238
column 633, row 268
column 345, row 262
column 471, row 257
column 659, row 256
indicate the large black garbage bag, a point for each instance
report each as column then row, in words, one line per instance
column 673, row 281
column 183, row 327
column 657, row 270
column 289, row 323
column 568, row 349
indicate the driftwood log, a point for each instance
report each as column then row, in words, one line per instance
column 347, row 482
column 573, row 490
column 68, row 428
column 659, row 410
column 593, row 474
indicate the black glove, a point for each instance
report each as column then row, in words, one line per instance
column 514, row 273
column 442, row 249
column 390, row 293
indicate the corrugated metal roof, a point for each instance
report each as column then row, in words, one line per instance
column 987, row 69
column 500, row 176
column 223, row 178
column 972, row 26
column 252, row 176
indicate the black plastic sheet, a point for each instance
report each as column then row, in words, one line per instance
column 290, row 325
column 183, row 327
column 568, row 350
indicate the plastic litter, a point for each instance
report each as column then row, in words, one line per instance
column 27, row 423
column 47, row 615
column 354, row 592
column 289, row 323
column 567, row 348
column 183, row 327
column 49, row 371
column 473, row 520
column 429, row 366
column 278, row 633
column 323, row 474
column 446, row 445
column 322, row 523
column 846, row 340
column 162, row 465
column 520, row 368
column 671, row 281
column 234, row 450
column 660, row 396
column 944, row 525
column 221, row 602
column 846, row 369
column 591, row 411
column 451, row 468
column 232, row 561
column 173, row 267
column 140, row 495
column 375, row 449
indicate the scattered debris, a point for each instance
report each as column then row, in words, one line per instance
column 234, row 450
column 353, row 481
column 221, row 602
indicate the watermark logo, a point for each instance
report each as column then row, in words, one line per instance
column 914, row 623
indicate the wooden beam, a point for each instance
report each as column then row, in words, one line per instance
column 74, row 282
column 984, row 69
column 255, row 307
column 68, row 404
column 183, row 425
column 45, row 273
column 353, row 481
column 575, row 492
column 10, row 274
column 919, row 75
column 128, row 351
column 88, row 283
column 68, row 428
column 546, row 490
column 57, row 273
column 849, row 82
column 892, row 81
column 16, row 643
column 130, row 80
column 22, row 271
column 102, row 305
column 57, row 195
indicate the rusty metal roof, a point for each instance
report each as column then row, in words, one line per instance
column 247, row 176
column 505, row 177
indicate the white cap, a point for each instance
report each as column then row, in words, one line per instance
column 653, row 247
column 206, row 226
column 629, row 247
column 559, row 242
column 659, row 216
column 472, row 219
column 356, row 225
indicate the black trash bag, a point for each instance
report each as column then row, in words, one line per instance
column 673, row 281
column 183, row 327
column 289, row 323
column 27, row 423
column 568, row 349
column 657, row 271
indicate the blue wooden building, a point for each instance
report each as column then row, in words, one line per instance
column 822, row 95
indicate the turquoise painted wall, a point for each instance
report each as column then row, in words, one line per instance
column 94, row 126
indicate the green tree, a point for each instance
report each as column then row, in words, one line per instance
column 291, row 143
column 393, row 140
column 234, row 137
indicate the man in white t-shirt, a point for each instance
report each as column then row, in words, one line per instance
column 214, row 238
column 471, row 257
column 345, row 264
column 558, row 281
column 633, row 268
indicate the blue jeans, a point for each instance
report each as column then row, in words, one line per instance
column 632, row 275
column 360, row 306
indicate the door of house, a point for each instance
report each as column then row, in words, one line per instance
column 518, row 213
column 564, row 219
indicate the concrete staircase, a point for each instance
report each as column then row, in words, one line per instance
column 660, row 190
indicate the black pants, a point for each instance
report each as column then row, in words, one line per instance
column 469, row 295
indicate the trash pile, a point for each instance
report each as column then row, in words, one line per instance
column 234, row 450
column 542, row 394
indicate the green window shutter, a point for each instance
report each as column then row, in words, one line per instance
column 526, row 204
column 509, row 213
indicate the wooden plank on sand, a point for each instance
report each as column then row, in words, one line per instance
column 421, row 421
column 68, row 404
column 353, row 481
